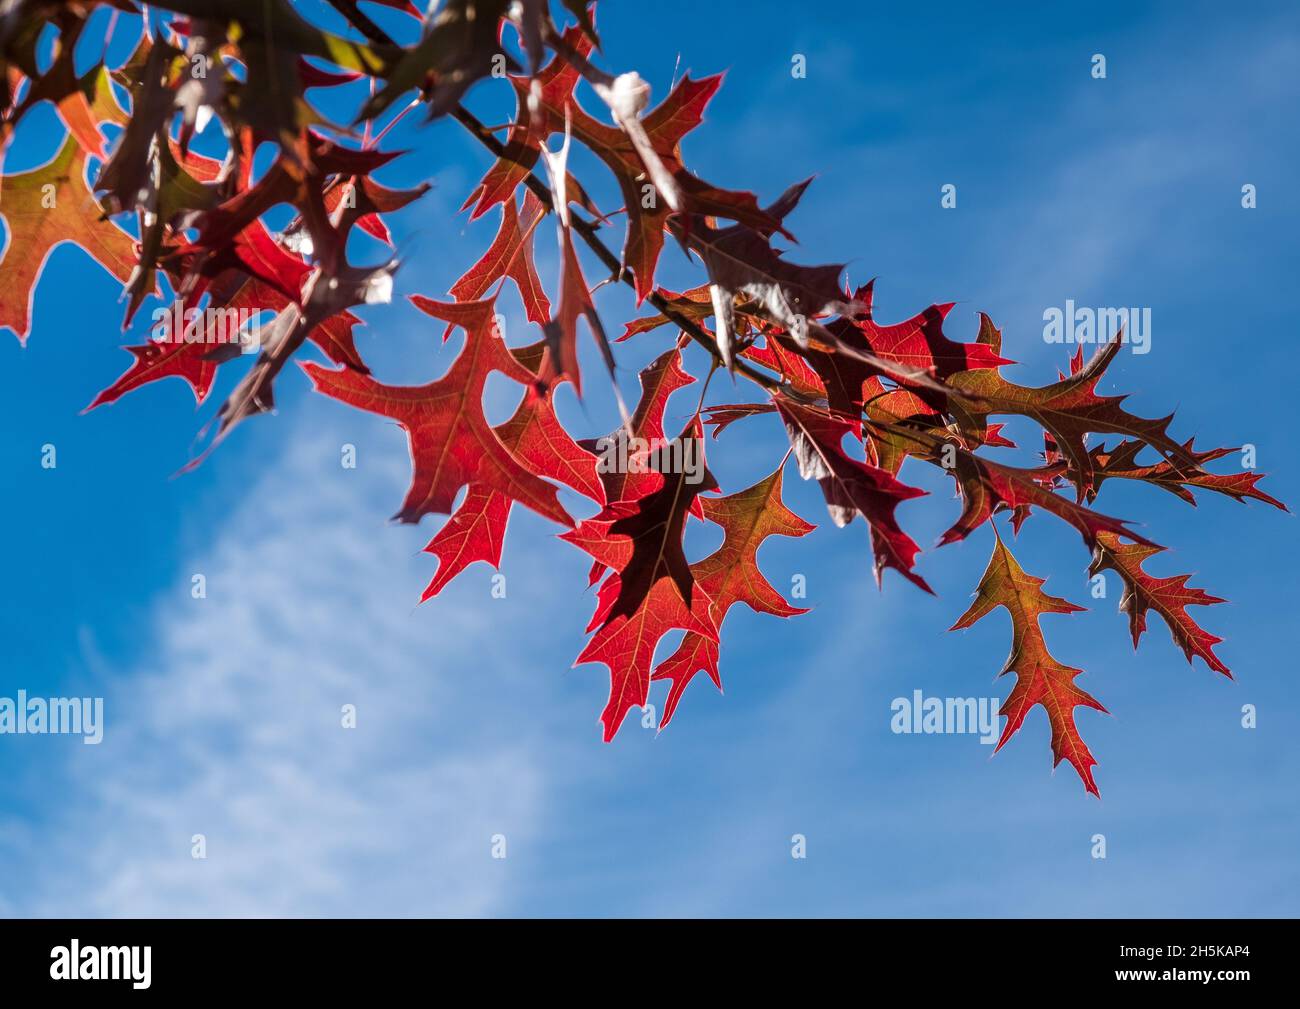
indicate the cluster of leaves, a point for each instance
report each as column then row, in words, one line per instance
column 857, row 399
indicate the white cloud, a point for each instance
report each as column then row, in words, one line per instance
column 231, row 727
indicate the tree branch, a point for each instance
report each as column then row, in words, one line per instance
column 587, row 230
column 351, row 11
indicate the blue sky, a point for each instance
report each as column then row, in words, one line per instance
column 222, row 713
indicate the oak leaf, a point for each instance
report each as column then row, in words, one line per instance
column 1040, row 679
column 451, row 442
column 730, row 575
column 476, row 531
column 1169, row 597
column 44, row 208
column 851, row 486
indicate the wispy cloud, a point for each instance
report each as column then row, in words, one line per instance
column 232, row 727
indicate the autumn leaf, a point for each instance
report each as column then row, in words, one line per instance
column 476, row 531
column 554, row 85
column 194, row 362
column 459, row 46
column 1040, row 679
column 44, row 208
column 852, row 487
column 626, row 644
column 1169, row 597
column 731, row 575
column 918, row 344
column 272, row 38
column 83, row 102
column 987, row 487
column 280, row 342
column 510, row 255
column 451, row 443
column 253, row 252
column 741, row 262
column 695, row 304
column 920, row 341
column 380, row 200
column 152, row 75
column 641, row 538
column 792, row 365
column 1069, row 410
column 1120, row 463
column 659, row 380
column 534, row 435
column 285, row 182
column 561, row 360
column 201, row 350
column 722, row 416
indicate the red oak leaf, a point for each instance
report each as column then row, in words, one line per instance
column 476, row 531
column 986, row 486
column 1069, row 410
column 253, row 252
column 743, row 266
column 730, row 575
column 379, row 199
column 642, row 537
column 696, row 304
column 852, row 487
column 626, row 644
column 659, row 380
column 206, row 344
column 82, row 102
column 196, row 363
column 534, row 435
column 554, row 85
column 510, row 255
column 42, row 209
column 724, row 415
column 918, row 343
column 451, row 443
column 1121, row 463
column 1040, row 679
column 285, row 182
column 561, row 359
column 791, row 366
column 1169, row 597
